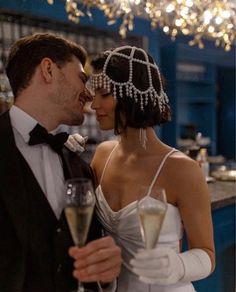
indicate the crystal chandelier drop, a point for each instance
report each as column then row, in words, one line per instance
column 212, row 19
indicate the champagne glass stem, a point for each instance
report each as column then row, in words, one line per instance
column 80, row 287
column 79, row 205
column 80, row 284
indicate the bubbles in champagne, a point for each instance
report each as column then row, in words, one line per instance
column 79, row 219
column 151, row 220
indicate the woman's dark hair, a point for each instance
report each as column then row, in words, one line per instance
column 28, row 52
column 118, row 70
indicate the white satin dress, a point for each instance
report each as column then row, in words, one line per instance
column 123, row 226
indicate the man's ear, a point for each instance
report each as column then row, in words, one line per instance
column 47, row 66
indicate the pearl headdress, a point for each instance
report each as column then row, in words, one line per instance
column 143, row 97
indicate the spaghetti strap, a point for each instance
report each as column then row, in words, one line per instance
column 109, row 157
column 160, row 168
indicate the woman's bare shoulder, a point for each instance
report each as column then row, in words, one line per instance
column 179, row 157
column 181, row 167
column 102, row 151
column 106, row 147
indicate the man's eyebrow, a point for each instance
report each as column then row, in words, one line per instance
column 83, row 77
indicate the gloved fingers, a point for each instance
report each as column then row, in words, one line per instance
column 150, row 254
column 147, row 280
column 77, row 146
column 153, row 281
column 155, row 274
column 76, row 139
column 150, row 263
column 82, row 140
column 154, row 253
column 161, row 266
column 70, row 146
column 142, row 272
column 73, row 143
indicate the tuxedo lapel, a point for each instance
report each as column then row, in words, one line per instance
column 79, row 168
column 12, row 192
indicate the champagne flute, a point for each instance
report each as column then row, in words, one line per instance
column 80, row 201
column 152, row 206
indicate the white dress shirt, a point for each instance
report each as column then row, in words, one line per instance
column 44, row 162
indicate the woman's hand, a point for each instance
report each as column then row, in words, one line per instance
column 76, row 143
column 164, row 266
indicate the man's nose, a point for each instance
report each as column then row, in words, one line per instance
column 88, row 95
column 94, row 104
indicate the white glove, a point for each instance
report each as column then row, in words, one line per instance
column 163, row 266
column 76, row 143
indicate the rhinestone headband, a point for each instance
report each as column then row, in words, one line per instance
column 102, row 80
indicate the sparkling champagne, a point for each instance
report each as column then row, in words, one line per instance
column 151, row 220
column 79, row 219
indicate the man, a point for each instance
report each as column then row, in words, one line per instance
column 48, row 81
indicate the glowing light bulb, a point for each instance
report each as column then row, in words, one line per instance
column 211, row 29
column 166, row 29
column 184, row 11
column 189, row 3
column 214, row 19
column 170, row 8
column 207, row 15
column 218, row 20
column 225, row 14
column 179, row 22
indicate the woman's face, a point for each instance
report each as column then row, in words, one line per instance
column 104, row 104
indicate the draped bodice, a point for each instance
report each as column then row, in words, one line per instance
column 123, row 226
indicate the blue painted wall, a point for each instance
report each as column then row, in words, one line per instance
column 57, row 11
column 226, row 111
column 213, row 57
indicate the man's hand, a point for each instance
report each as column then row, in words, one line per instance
column 100, row 260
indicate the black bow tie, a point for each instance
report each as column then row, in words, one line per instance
column 40, row 135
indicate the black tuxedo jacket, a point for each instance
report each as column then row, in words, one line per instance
column 14, row 209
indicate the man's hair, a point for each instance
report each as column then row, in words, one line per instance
column 118, row 69
column 27, row 53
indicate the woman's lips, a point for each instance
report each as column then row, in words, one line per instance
column 100, row 116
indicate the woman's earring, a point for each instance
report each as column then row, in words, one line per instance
column 143, row 137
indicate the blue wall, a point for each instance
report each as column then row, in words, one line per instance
column 213, row 57
column 226, row 112
column 57, row 11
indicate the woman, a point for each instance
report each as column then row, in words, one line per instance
column 130, row 99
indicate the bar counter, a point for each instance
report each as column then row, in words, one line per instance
column 223, row 193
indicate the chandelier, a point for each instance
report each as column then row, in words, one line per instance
column 211, row 19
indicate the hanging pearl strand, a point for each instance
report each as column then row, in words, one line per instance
column 140, row 96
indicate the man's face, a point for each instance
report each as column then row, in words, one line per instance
column 71, row 93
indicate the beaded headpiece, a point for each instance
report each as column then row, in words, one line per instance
column 142, row 97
